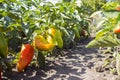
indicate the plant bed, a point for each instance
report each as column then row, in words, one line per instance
column 79, row 63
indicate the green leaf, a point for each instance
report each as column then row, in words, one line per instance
column 104, row 41
column 41, row 59
column 64, row 30
column 111, row 14
column 13, row 16
column 101, row 33
column 110, row 6
column 16, row 58
column 4, row 29
column 77, row 32
column 2, row 0
column 65, row 16
column 3, row 46
column 118, row 18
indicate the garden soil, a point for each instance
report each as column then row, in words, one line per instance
column 77, row 63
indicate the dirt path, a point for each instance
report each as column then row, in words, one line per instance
column 76, row 64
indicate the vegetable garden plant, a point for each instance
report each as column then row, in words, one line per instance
column 108, row 34
column 32, row 29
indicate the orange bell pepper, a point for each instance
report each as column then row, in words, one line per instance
column 42, row 44
column 55, row 37
column 51, row 37
column 26, row 55
column 117, row 30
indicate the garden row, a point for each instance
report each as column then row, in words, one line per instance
column 31, row 30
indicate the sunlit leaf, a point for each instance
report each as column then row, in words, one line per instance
column 104, row 41
column 64, row 16
column 101, row 33
column 111, row 14
column 2, row 0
